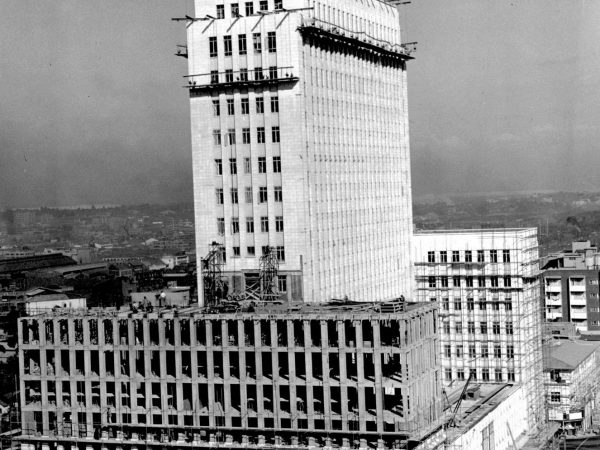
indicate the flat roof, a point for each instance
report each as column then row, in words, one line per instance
column 567, row 355
column 474, row 230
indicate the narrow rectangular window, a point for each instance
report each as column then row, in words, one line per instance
column 230, row 107
column 456, row 281
column 263, row 5
column 509, row 328
column 227, row 46
column 216, row 137
column 260, row 105
column 507, row 281
column 469, row 281
column 468, row 256
column 273, row 72
column 247, row 164
column 245, row 105
column 258, row 73
column 257, row 42
column 271, row 42
column 220, row 196
column 431, row 257
column 265, row 250
column 214, row 76
column 506, row 256
column 248, row 195
column 485, row 351
column 242, row 44
column 243, row 74
column 280, row 253
column 480, row 256
column 231, row 136
column 234, row 196
column 262, row 194
column 220, row 11
column 229, row 76
column 494, row 281
column 251, row 251
column 235, row 10
column 443, row 256
column 275, row 104
column 276, row 164
column 432, row 281
column 275, row 137
column 264, row 224
column 279, row 224
column 235, row 225
column 232, row 166
column 278, row 5
column 262, row 164
column 510, row 351
column 246, row 138
column 260, row 135
column 493, row 256
column 249, row 8
column 221, row 226
column 216, row 108
column 455, row 256
column 249, row 225
column 278, row 194
column 282, row 283
column 212, row 46
column 219, row 166
column 236, row 251
column 483, row 327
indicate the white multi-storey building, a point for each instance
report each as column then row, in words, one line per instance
column 486, row 282
column 300, row 144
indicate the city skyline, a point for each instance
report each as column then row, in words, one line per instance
column 90, row 117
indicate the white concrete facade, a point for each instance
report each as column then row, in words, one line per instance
column 333, row 196
column 490, row 317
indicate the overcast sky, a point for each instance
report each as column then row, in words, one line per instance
column 503, row 96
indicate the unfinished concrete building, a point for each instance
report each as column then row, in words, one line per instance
column 348, row 375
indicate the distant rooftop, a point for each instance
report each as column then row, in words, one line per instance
column 567, row 355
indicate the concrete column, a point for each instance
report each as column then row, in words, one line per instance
column 360, row 370
column 325, row 367
column 210, row 372
column 343, row 375
column 293, row 381
column 226, row 373
column 243, row 384
column 275, row 366
column 310, row 381
column 260, row 399
column 378, row 374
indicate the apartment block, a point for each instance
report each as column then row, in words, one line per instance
column 364, row 375
column 570, row 286
column 300, row 144
column 486, row 283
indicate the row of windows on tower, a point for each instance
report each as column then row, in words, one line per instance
column 243, row 75
column 483, row 328
column 245, row 105
column 262, row 165
column 251, row 251
column 444, row 281
column 264, row 225
column 468, row 256
column 263, row 195
column 231, row 136
column 263, row 5
column 242, row 44
column 485, row 375
column 483, row 353
column 458, row 305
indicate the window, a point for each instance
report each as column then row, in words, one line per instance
column 507, row 281
column 278, row 194
column 263, row 5
column 431, row 281
column 219, row 166
column 260, row 135
column 468, row 256
column 459, row 351
column 236, row 251
column 473, row 374
column 508, row 305
column 214, row 76
column 494, row 256
column 506, row 256
column 455, row 256
column 216, row 108
column 220, row 198
column 481, row 281
column 271, row 42
column 235, row 10
column 245, row 105
column 258, row 73
column 262, row 194
column 256, row 41
column 265, row 250
column 510, row 351
column 229, row 76
column 498, row 375
column 472, row 353
column 243, row 74
column 447, row 350
column 249, row 8
column 471, row 327
column 485, row 351
column 275, row 104
column 445, row 304
column 480, row 256
column 485, row 376
column 275, row 137
column 235, row 225
column 448, row 374
column 496, row 328
column 511, row 375
column 230, row 107
column 232, row 166
column 555, row 397
column 483, row 327
column 279, row 224
column 212, row 46
column 234, row 196
column 456, row 281
column 278, row 4
column 264, row 224
column 249, row 225
column 228, row 47
column 248, row 195
column 280, row 251
column 470, row 304
column 457, row 304
column 276, row 164
column 231, row 136
column 220, row 11
column 497, row 351
column 431, row 257
column 260, row 105
column 221, row 226
column 282, row 283
column 262, row 164
column 487, row 433
column 496, row 306
column 458, row 327
column 509, row 328
column 447, row 327
column 216, row 137
column 251, row 250
column 242, row 44
column 247, row 161
column 494, row 281
column 444, row 281
column 444, row 256
column 482, row 305
column 460, row 375
column 246, row 140
column 469, row 281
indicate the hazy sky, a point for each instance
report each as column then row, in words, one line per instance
column 503, row 95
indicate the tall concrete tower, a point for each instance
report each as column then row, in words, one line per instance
column 300, row 144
